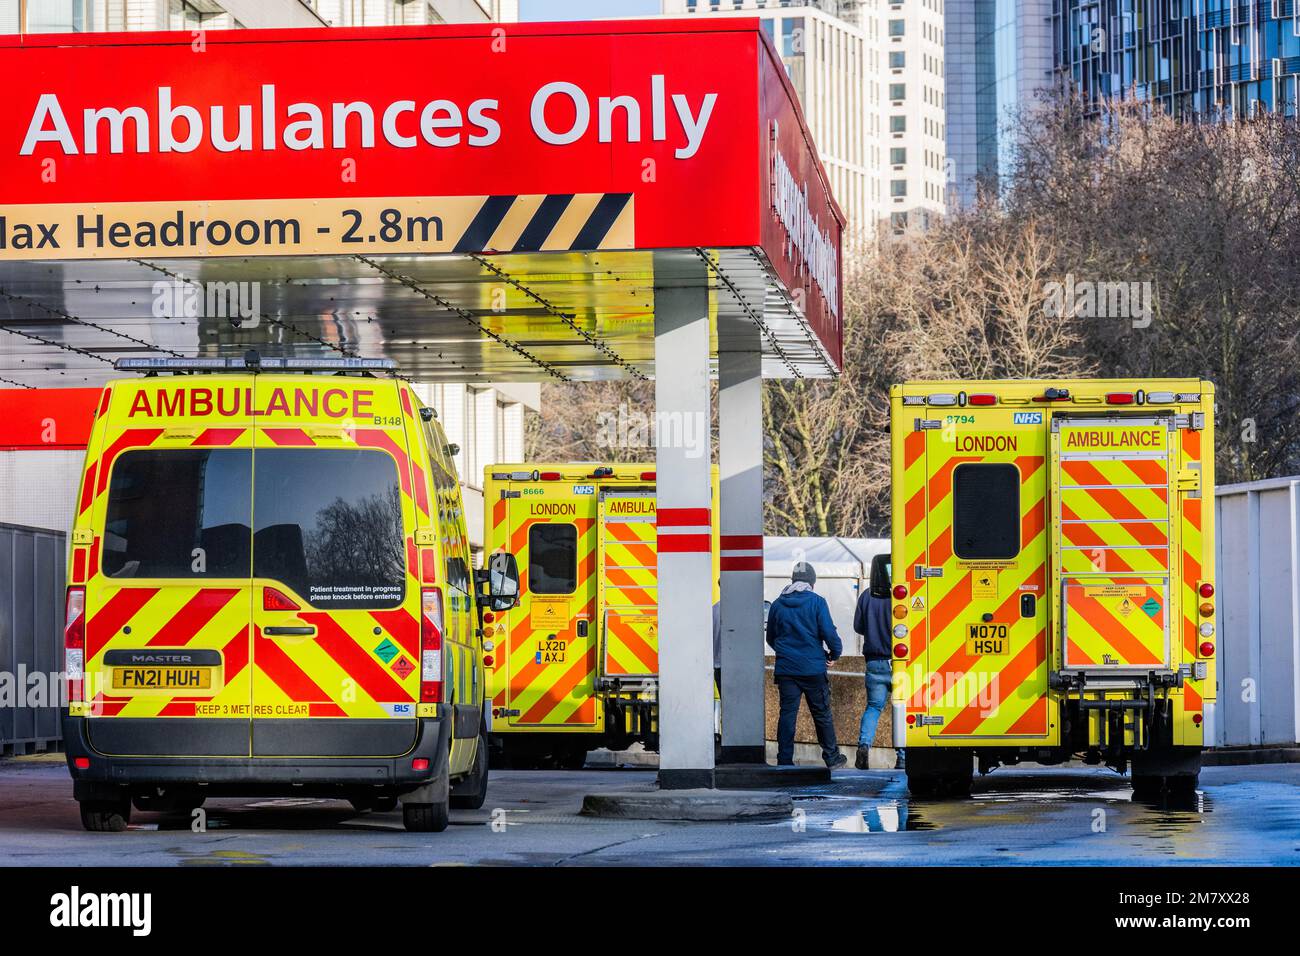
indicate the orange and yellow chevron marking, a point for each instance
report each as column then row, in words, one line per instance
column 629, row 568
column 1115, row 622
column 554, row 692
column 975, row 694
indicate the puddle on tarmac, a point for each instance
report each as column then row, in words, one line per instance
column 888, row 817
column 1168, row 813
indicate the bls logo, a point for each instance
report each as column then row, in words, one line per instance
column 1026, row 418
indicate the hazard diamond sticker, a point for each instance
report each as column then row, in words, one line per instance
column 1152, row 607
column 386, row 650
column 402, row 668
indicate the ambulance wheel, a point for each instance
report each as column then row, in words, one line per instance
column 470, row 793
column 572, row 758
column 430, row 817
column 425, row 817
column 109, row 816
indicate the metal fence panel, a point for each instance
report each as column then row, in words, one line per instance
column 1258, row 599
column 31, row 640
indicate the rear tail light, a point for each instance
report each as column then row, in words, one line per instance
column 647, row 476
column 900, row 591
column 983, row 400
column 430, row 646
column 74, row 641
column 550, row 476
column 488, row 660
column 273, row 600
column 81, row 763
column 1119, row 398
column 911, row 719
column 1207, row 648
column 488, row 617
column 1206, row 590
column 1196, row 719
column 900, row 650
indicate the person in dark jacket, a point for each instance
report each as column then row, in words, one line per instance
column 871, row 620
column 800, row 631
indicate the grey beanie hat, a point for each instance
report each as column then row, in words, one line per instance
column 803, row 571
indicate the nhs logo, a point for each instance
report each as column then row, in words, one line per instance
column 1026, row 418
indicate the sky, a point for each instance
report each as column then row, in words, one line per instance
column 585, row 9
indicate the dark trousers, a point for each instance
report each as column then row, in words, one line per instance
column 818, row 691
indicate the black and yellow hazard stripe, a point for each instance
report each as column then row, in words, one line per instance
column 547, row 223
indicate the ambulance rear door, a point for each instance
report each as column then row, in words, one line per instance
column 1113, row 483
column 336, row 596
column 552, row 653
column 629, row 584
column 984, row 574
column 167, row 574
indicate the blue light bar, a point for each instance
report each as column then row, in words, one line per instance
column 348, row 364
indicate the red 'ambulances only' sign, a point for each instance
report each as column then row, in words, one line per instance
column 651, row 134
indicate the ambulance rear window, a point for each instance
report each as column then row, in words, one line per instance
column 328, row 523
column 179, row 513
column 552, row 559
column 986, row 511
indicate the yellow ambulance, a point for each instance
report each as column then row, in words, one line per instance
column 574, row 659
column 1053, row 565
column 270, row 592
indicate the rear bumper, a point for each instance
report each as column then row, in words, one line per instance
column 258, row 775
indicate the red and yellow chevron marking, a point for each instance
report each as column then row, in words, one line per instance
column 189, row 616
column 1114, row 622
column 976, row 695
column 1194, row 566
column 630, row 575
column 338, row 671
column 547, row 692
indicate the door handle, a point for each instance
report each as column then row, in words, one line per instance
column 288, row 631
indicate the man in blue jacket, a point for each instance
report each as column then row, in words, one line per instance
column 800, row 631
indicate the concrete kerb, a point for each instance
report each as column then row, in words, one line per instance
column 695, row 806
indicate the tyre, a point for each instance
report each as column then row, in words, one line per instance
column 938, row 774
column 106, row 816
column 425, row 817
column 470, row 793
column 430, row 817
column 572, row 758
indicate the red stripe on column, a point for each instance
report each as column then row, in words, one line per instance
column 681, row 543
column 676, row 517
column 741, row 542
column 752, row 563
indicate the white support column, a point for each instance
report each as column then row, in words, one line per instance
column 740, row 467
column 684, row 533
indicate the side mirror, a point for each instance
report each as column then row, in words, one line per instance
column 503, row 581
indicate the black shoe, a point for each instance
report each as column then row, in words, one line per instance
column 861, row 759
column 839, row 760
